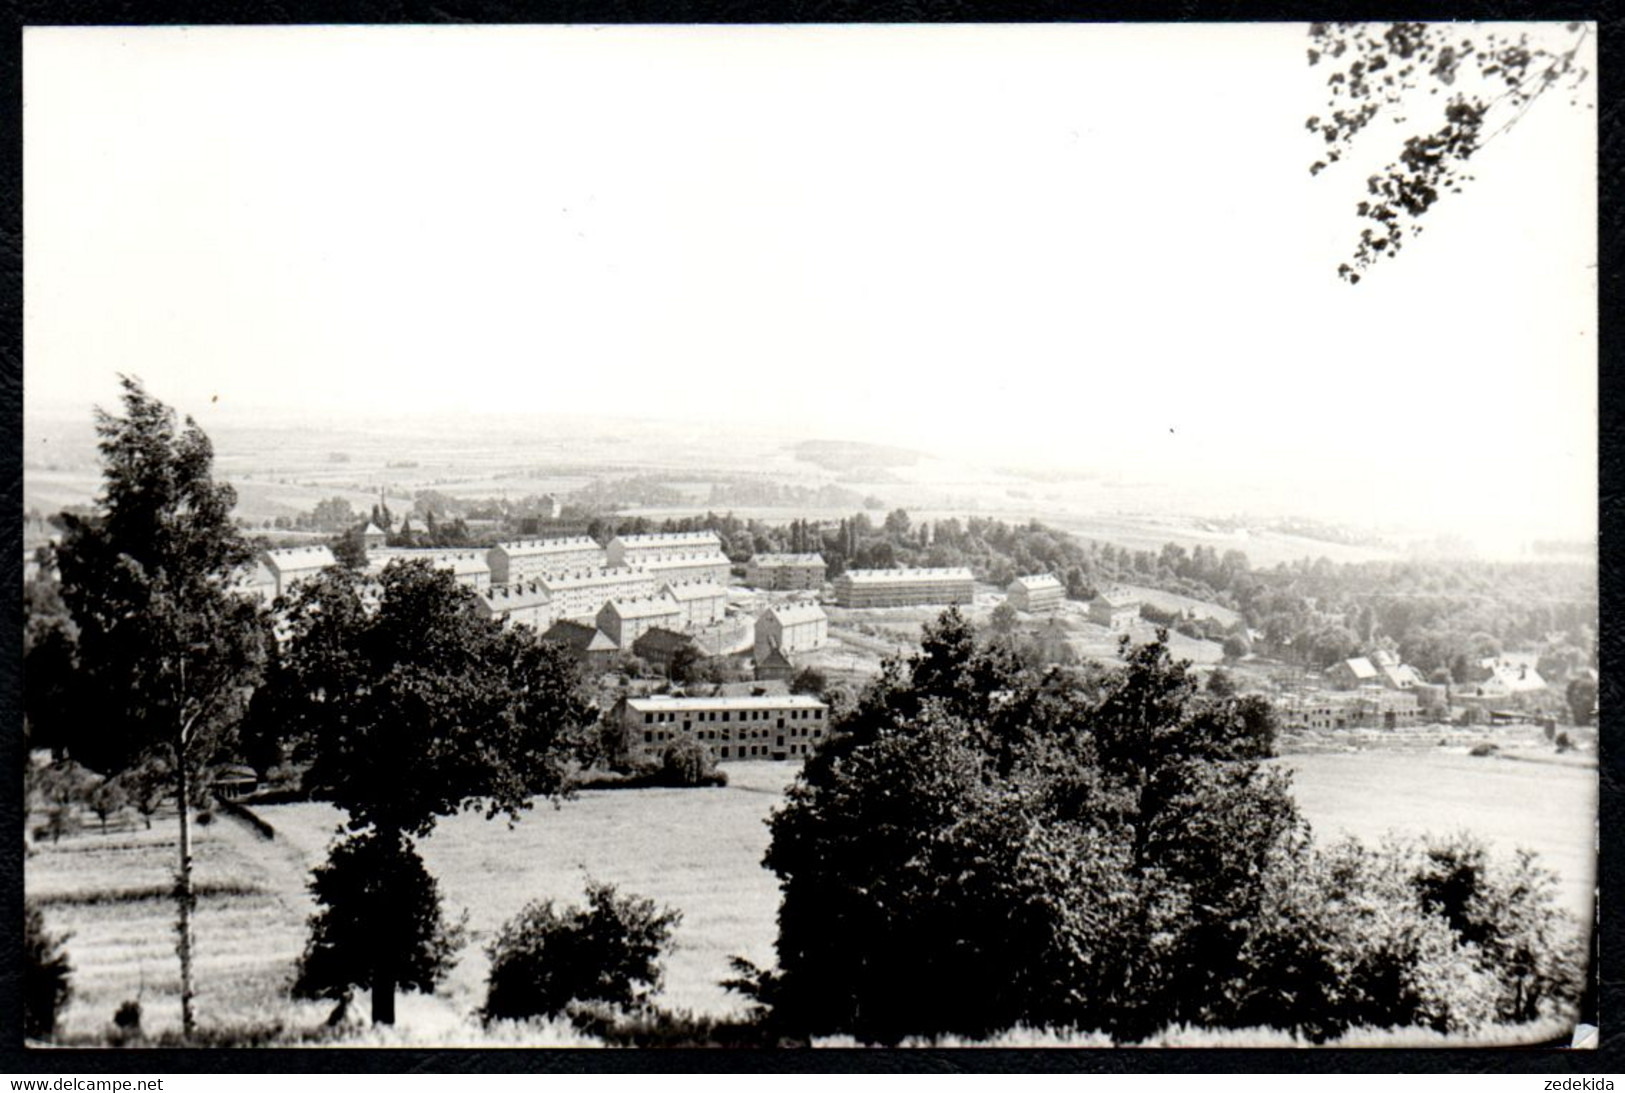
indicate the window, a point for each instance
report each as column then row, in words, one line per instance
column 648, row 738
column 648, row 718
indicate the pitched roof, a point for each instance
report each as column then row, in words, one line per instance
column 1037, row 582
column 372, row 529
column 677, row 539
column 1117, row 597
column 293, row 559
column 653, row 607
column 789, row 614
column 682, row 591
column 568, row 544
column 506, row 597
column 1361, row 667
column 787, row 559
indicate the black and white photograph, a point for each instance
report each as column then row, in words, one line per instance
column 1068, row 536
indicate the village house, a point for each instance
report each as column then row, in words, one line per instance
column 700, row 602
column 591, row 647
column 1346, row 675
column 290, row 565
column 1114, row 608
column 660, row 646
column 791, row 628
column 786, row 572
column 1036, row 594
column 774, row 665
column 627, row 620
column 522, row 560
column 754, row 727
column 526, row 604
column 904, row 587
column 373, row 537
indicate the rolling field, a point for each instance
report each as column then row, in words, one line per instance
column 697, row 850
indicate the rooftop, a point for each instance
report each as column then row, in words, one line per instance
column 790, row 613
column 642, row 608
column 787, row 559
column 1038, row 581
column 954, row 573
column 563, row 544
column 693, row 590
column 664, row 703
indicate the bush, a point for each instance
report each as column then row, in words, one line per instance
column 686, row 762
column 608, row 952
column 47, row 977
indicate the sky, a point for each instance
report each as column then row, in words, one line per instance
column 1092, row 246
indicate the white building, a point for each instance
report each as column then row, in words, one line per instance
column 291, row 565
column 512, row 563
column 754, row 727
column 791, row 628
column 700, row 602
column 1035, row 594
column 578, row 594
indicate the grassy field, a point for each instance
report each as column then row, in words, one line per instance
column 697, row 850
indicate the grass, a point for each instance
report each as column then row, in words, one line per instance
column 698, row 850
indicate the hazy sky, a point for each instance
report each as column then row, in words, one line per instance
column 1093, row 245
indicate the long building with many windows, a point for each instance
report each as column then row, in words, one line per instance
column 904, row 587
column 786, row 572
column 754, row 727
column 578, row 594
column 635, row 549
column 521, row 560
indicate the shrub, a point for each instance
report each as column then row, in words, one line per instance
column 378, row 904
column 47, row 977
column 686, row 762
column 609, row 952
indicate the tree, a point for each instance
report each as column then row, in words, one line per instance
column 1076, row 852
column 333, row 514
column 1582, row 699
column 808, row 681
column 418, row 708
column 350, row 549
column 167, row 651
column 608, row 952
column 374, row 895
column 1487, row 79
column 47, row 976
column 1236, row 648
column 1004, row 619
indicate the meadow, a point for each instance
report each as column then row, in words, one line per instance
column 698, row 850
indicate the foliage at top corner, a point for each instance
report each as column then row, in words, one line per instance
column 1470, row 83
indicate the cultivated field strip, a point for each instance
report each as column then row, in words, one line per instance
column 110, row 893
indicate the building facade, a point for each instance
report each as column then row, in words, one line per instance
column 1115, row 609
column 627, row 620
column 754, row 727
column 1035, row 594
column 904, row 587
column 697, row 567
column 522, row 560
column 634, row 549
column 791, row 628
column 468, row 567
column 700, row 602
column 291, row 565
column 579, row 593
column 526, row 604
column 786, row 572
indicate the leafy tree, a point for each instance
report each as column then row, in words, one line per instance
column 1236, row 648
column 808, row 681
column 333, row 514
column 375, row 896
column 1486, row 79
column 419, row 708
column 686, row 663
column 167, row 651
column 1004, row 619
column 545, row 959
column 1581, row 694
column 47, row 976
column 1085, row 848
column 108, row 799
column 350, row 549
